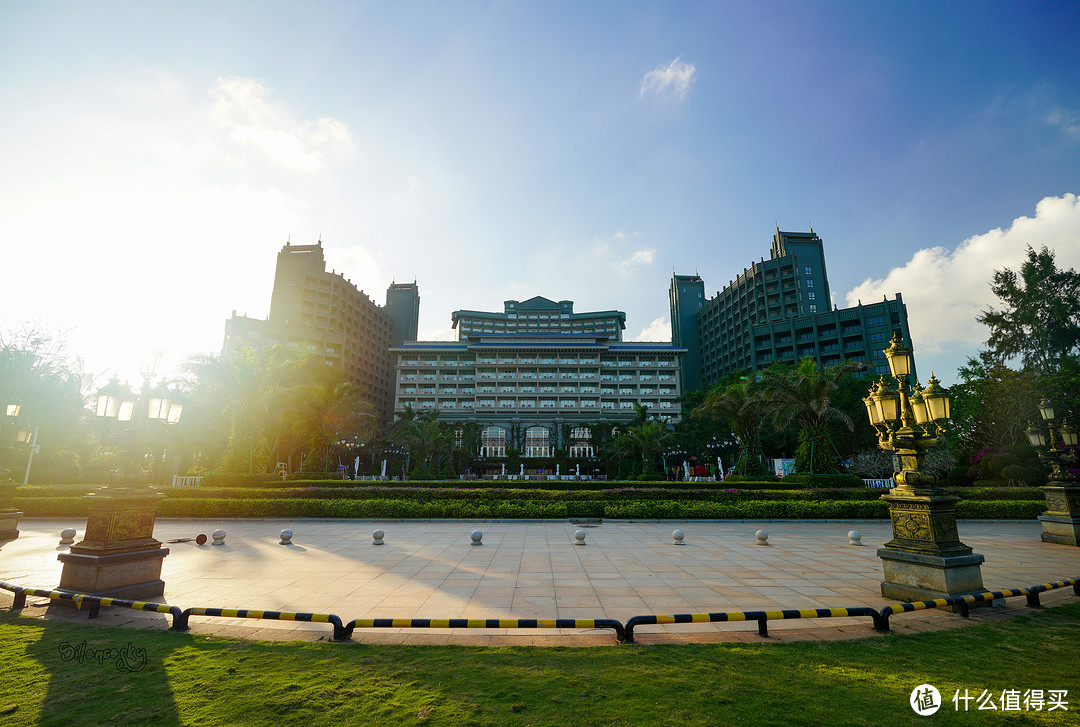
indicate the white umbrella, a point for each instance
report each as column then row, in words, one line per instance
column 384, row 468
column 356, row 468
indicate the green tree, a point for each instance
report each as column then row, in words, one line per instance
column 1039, row 321
column 49, row 392
column 239, row 407
column 992, row 405
column 741, row 406
column 428, row 441
column 329, row 414
column 803, row 395
column 646, row 440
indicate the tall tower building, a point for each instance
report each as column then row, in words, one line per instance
column 403, row 307
column 322, row 313
column 687, row 296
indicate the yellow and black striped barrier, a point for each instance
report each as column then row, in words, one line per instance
column 92, row 604
column 964, row 603
column 181, row 623
column 486, row 623
column 762, row 617
column 624, row 634
column 1034, row 591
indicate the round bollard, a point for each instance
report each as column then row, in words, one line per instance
column 286, row 537
column 854, row 537
column 67, row 536
column 218, row 536
column 477, row 537
column 377, row 536
column 762, row 537
column 579, row 537
column 677, row 537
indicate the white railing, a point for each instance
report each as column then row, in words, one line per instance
column 178, row 481
column 880, row 483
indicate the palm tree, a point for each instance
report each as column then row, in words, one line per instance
column 742, row 407
column 802, row 395
column 329, row 413
column 238, row 404
column 428, row 440
column 646, row 440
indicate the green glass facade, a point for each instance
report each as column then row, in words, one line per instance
column 778, row 310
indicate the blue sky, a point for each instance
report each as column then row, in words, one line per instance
column 155, row 157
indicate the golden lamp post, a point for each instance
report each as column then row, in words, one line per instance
column 925, row 558
column 1061, row 521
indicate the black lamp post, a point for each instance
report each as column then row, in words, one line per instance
column 9, row 514
column 925, row 558
column 118, row 555
column 1061, row 521
column 142, row 423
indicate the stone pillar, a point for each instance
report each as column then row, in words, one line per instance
column 1061, row 521
column 9, row 514
column 118, row 555
column 925, row 559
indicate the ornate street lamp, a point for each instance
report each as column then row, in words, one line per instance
column 118, row 555
column 1061, row 521
column 925, row 558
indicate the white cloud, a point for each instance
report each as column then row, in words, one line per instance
column 614, row 252
column 1067, row 120
column 243, row 107
column 658, row 330
column 672, row 80
column 945, row 290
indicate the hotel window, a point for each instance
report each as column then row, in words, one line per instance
column 809, row 270
column 581, row 442
column 493, row 442
column 809, row 282
column 537, row 442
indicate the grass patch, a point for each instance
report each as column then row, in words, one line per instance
column 189, row 679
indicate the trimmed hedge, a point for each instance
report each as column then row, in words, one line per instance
column 797, row 480
column 477, row 508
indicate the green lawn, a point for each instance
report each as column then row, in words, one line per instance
column 197, row 680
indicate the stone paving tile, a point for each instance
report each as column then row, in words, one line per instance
column 533, row 570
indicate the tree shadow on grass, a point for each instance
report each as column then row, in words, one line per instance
column 102, row 676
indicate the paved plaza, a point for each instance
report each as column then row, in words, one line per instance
column 430, row 569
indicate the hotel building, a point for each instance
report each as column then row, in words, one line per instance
column 323, row 314
column 778, row 310
column 537, row 377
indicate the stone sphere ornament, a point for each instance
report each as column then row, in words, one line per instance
column 762, row 537
column 286, row 537
column 377, row 537
column 677, row 537
column 579, row 537
column 218, row 536
column 477, row 537
column 854, row 537
column 67, row 536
